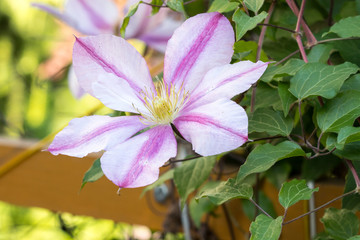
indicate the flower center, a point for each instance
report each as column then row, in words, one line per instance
column 164, row 104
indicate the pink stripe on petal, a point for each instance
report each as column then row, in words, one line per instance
column 194, row 49
column 182, row 69
column 92, row 17
column 100, row 57
column 136, row 162
column 226, row 81
column 95, row 18
column 95, row 133
column 205, row 120
column 108, row 67
column 214, row 128
column 73, row 83
column 55, row 12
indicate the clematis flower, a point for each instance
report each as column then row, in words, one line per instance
column 194, row 95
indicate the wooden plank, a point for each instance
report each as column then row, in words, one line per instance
column 53, row 182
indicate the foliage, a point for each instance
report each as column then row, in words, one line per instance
column 303, row 113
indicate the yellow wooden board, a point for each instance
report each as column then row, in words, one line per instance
column 53, row 182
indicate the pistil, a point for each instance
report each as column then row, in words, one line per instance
column 164, row 104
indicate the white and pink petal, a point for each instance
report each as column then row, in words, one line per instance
column 117, row 94
column 92, row 17
column 214, row 128
column 136, row 162
column 106, row 56
column 227, row 81
column 73, row 83
column 155, row 30
column 94, row 133
column 53, row 11
column 201, row 43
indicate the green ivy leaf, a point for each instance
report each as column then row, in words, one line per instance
column 349, row 50
column 265, row 156
column 226, row 191
column 347, row 27
column 318, row 79
column 323, row 166
column 294, row 191
column 244, row 23
column 352, row 83
column 197, row 208
column 290, row 68
column 348, row 134
column 270, row 121
column 323, row 236
column 177, row 6
column 331, row 142
column 155, row 10
column 93, row 174
column 254, row 5
column 265, row 227
column 278, row 173
column 351, row 151
column 282, row 47
column 132, row 10
column 266, row 96
column 339, row 112
column 357, row 237
column 320, row 53
column 164, row 177
column 286, row 97
column 223, row 6
column 248, row 51
column 340, row 224
column 191, row 174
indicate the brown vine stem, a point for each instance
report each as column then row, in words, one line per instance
column 311, row 40
column 302, row 123
column 312, row 134
column 258, row 52
column 324, row 205
column 253, row 95
column 245, row 8
column 165, row 6
column 266, row 138
column 323, row 154
column 228, row 220
column 263, row 30
column 335, row 39
column 260, row 208
column 180, row 160
column 287, row 57
column 297, row 29
column 319, row 140
column 354, row 173
column 276, row 26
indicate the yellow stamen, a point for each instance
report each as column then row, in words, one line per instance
column 164, row 104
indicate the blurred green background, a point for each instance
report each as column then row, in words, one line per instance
column 35, row 53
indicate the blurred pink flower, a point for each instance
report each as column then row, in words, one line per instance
column 89, row 17
column 93, row 17
column 195, row 96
